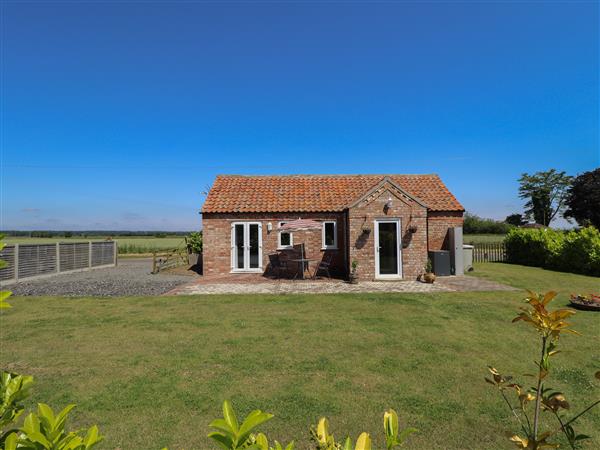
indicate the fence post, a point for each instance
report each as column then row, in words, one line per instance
column 90, row 255
column 115, row 249
column 57, row 257
column 16, row 262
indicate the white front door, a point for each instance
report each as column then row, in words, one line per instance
column 246, row 247
column 388, row 256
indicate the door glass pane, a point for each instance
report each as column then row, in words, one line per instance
column 239, row 246
column 388, row 249
column 253, row 232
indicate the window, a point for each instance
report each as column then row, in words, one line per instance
column 330, row 234
column 284, row 240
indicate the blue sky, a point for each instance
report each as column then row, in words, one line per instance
column 117, row 115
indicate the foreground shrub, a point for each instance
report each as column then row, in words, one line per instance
column 42, row 430
column 231, row 435
column 572, row 251
column 549, row 326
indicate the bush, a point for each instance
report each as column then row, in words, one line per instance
column 476, row 225
column 194, row 242
column 580, row 252
column 572, row 251
column 533, row 247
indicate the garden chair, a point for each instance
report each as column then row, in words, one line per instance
column 278, row 264
column 324, row 266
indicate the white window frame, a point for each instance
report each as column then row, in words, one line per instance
column 334, row 246
column 279, row 245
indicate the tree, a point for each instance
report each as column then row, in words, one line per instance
column 515, row 219
column 545, row 193
column 583, row 199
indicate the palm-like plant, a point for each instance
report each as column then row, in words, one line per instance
column 549, row 325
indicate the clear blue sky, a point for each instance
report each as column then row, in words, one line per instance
column 117, row 115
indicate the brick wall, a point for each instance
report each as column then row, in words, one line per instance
column 438, row 223
column 431, row 233
column 413, row 245
column 216, row 229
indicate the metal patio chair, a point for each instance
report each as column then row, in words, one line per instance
column 324, row 266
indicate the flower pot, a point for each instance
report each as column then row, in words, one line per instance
column 353, row 278
column 193, row 258
column 429, row 277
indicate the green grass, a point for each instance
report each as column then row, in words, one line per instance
column 153, row 371
column 524, row 277
column 483, row 238
column 127, row 245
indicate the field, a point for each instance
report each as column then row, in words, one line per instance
column 483, row 238
column 126, row 244
column 153, row 371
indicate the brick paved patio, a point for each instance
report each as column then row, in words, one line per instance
column 258, row 284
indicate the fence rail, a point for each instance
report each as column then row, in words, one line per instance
column 489, row 252
column 27, row 261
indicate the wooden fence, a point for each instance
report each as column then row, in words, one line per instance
column 27, row 261
column 489, row 252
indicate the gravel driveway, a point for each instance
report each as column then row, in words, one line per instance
column 130, row 277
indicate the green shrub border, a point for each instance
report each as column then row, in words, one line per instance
column 575, row 251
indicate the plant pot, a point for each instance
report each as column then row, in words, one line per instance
column 429, row 277
column 193, row 258
column 353, row 278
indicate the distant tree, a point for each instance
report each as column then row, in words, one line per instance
column 474, row 224
column 583, row 199
column 545, row 193
column 68, row 234
column 515, row 219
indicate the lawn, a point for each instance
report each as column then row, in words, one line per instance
column 483, row 238
column 152, row 372
column 126, row 244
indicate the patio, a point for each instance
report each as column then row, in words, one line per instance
column 259, row 284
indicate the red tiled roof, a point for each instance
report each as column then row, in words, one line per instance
column 312, row 193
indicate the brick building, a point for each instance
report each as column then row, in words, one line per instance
column 385, row 222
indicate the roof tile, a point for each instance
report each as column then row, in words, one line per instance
column 313, row 193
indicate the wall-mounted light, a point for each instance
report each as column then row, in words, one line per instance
column 388, row 204
column 269, row 227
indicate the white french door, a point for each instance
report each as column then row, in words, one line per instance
column 246, row 247
column 388, row 256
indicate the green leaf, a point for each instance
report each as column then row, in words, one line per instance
column 347, row 444
column 92, row 437
column 223, row 441
column 405, row 433
column 31, row 424
column 262, row 441
column 221, row 424
column 61, row 418
column 11, row 442
column 254, row 419
column 229, row 416
column 363, row 442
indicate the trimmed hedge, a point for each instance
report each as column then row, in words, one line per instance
column 566, row 251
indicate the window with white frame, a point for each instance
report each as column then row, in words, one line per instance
column 284, row 240
column 330, row 234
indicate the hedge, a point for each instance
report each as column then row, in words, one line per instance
column 566, row 251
